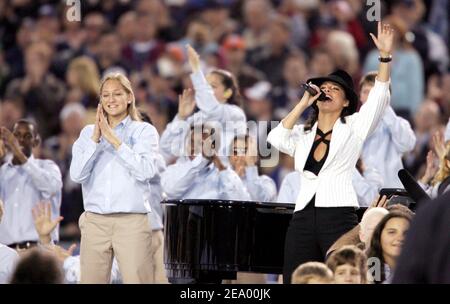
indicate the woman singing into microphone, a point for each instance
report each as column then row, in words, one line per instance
column 326, row 149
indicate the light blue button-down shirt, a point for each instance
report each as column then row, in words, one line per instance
column 200, row 179
column 156, row 196
column 22, row 187
column 384, row 148
column 8, row 260
column 260, row 187
column 117, row 181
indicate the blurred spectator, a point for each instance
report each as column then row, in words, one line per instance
column 40, row 90
column 312, row 273
column 126, row 27
column 217, row 17
column 59, row 149
column 431, row 47
column 83, row 75
column 257, row 14
column 25, row 36
column 321, row 64
column 407, row 74
column 286, row 96
column 145, row 48
column 342, row 48
column 270, row 58
column 233, row 50
column 95, row 24
column 349, row 265
column 10, row 112
column 109, row 55
column 298, row 11
column 426, row 121
column 199, row 37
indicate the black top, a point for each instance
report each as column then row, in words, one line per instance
column 312, row 164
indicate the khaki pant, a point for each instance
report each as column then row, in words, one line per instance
column 157, row 252
column 126, row 236
column 247, row 278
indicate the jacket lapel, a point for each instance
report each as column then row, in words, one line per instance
column 339, row 135
column 304, row 147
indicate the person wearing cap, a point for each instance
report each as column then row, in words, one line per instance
column 326, row 149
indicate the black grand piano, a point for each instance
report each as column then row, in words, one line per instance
column 207, row 241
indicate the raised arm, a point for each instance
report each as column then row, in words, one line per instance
column 368, row 117
column 281, row 137
column 205, row 98
column 384, row 42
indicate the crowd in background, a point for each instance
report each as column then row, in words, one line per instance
column 50, row 67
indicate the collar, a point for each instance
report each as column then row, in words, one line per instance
column 124, row 122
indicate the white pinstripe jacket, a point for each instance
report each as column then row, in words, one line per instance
column 333, row 186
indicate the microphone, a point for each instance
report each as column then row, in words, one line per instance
column 412, row 187
column 313, row 92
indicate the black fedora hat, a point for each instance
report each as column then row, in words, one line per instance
column 343, row 79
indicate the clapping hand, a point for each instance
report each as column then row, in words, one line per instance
column 186, row 104
column 43, row 221
column 97, row 133
column 439, row 144
column 107, row 132
column 431, row 169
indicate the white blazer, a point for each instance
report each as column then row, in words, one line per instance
column 333, row 185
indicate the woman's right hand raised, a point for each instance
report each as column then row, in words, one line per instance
column 97, row 133
column 307, row 99
column 186, row 104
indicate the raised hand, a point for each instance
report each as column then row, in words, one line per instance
column 439, row 144
column 9, row 139
column 11, row 142
column 186, row 104
column 251, row 156
column 61, row 253
column 43, row 222
column 108, row 133
column 97, row 132
column 194, row 58
column 431, row 169
column 384, row 40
